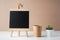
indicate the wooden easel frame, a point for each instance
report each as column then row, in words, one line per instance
column 19, row 29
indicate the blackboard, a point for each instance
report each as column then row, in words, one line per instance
column 19, row 19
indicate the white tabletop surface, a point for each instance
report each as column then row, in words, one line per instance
column 5, row 35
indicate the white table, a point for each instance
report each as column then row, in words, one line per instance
column 5, row 35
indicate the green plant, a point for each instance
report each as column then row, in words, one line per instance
column 49, row 27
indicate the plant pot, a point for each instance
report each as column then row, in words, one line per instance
column 49, row 33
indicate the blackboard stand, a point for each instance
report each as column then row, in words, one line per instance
column 20, row 6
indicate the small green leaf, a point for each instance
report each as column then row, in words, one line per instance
column 49, row 27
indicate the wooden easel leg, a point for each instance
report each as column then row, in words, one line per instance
column 18, row 33
column 11, row 33
column 27, row 33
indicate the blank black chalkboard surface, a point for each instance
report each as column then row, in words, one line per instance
column 19, row 19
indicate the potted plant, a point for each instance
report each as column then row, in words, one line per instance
column 49, row 30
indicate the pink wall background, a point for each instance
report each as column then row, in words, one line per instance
column 42, row 12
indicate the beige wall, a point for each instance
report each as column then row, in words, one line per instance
column 42, row 12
